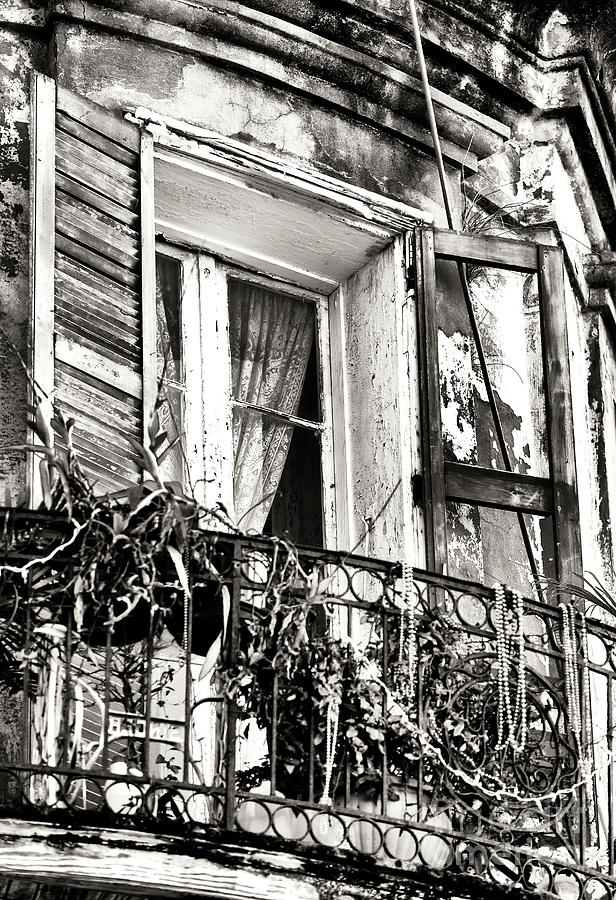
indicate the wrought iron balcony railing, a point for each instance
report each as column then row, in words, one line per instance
column 310, row 696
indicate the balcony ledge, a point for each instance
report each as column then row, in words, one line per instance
column 136, row 863
column 220, row 866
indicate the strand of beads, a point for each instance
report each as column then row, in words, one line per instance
column 331, row 738
column 588, row 757
column 569, row 640
column 502, row 672
column 577, row 684
column 411, row 634
column 186, row 561
column 520, row 716
column 511, row 718
column 405, row 668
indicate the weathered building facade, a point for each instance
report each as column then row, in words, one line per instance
column 239, row 203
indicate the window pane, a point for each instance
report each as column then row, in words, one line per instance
column 297, row 511
column 277, row 483
column 271, row 336
column 171, row 418
column 506, row 306
column 168, row 321
column 277, row 466
column 309, row 406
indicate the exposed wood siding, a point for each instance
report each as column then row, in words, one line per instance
column 98, row 313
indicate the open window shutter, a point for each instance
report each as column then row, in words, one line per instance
column 368, row 318
column 93, row 276
column 554, row 496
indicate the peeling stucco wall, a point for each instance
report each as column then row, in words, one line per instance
column 117, row 73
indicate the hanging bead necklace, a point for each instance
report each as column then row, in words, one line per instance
column 512, row 718
column 186, row 561
column 331, row 719
column 577, row 684
column 405, row 667
column 331, row 739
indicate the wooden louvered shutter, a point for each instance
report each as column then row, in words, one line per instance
column 517, row 493
column 93, row 276
column 369, row 321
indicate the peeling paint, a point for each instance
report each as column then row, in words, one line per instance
column 457, row 408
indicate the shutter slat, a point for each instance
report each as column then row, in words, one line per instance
column 106, row 402
column 108, row 367
column 101, row 471
column 91, row 258
column 71, row 148
column 97, row 140
column 97, row 433
column 70, row 293
column 100, row 339
column 75, row 228
column 100, row 319
column 104, row 226
column 99, row 426
column 85, row 284
column 103, row 451
column 78, row 169
column 105, row 204
column 101, row 442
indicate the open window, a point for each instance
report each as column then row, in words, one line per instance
column 497, row 508
column 260, row 398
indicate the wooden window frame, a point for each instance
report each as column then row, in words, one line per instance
column 446, row 481
column 345, row 212
column 354, row 227
column 191, row 362
column 208, row 416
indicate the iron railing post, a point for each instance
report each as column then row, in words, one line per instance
column 232, row 656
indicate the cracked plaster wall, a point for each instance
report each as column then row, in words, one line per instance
column 538, row 177
column 117, row 72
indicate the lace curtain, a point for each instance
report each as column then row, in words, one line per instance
column 271, row 336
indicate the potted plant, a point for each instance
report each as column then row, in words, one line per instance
column 127, row 577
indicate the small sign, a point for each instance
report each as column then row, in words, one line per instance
column 122, row 726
